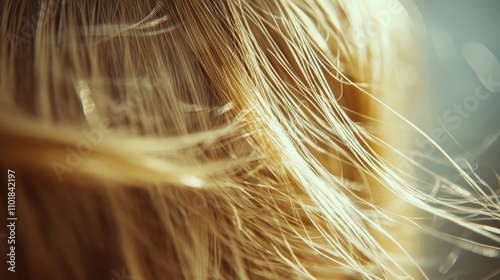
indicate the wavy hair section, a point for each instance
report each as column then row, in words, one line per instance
column 218, row 140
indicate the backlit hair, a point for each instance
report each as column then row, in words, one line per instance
column 232, row 139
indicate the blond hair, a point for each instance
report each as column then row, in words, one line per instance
column 197, row 139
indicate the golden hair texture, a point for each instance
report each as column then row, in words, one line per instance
column 206, row 139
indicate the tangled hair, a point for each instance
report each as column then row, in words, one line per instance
column 204, row 139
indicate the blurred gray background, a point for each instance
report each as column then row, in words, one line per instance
column 462, row 44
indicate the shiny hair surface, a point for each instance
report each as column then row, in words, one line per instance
column 203, row 139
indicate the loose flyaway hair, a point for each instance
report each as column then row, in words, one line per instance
column 203, row 139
